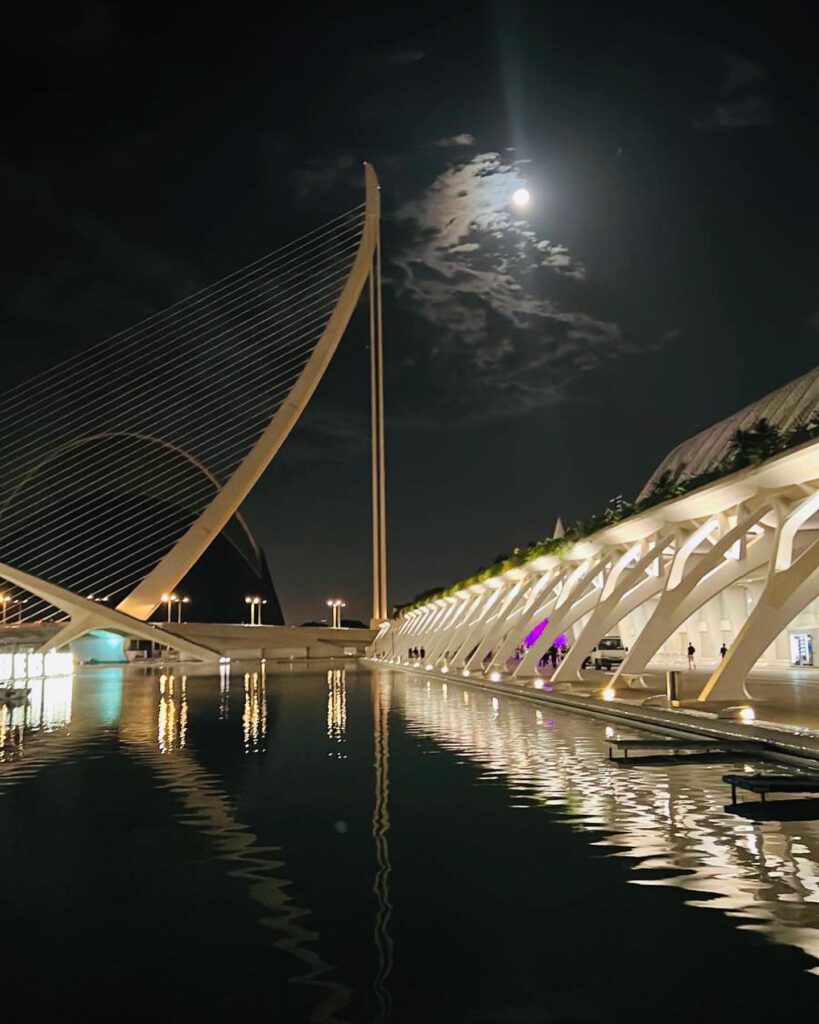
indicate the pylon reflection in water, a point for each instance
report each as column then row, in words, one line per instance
column 172, row 724
column 254, row 717
column 337, row 709
column 381, row 697
column 224, row 689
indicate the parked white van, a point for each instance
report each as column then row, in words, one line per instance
column 608, row 653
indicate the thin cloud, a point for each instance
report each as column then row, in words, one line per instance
column 320, row 175
column 385, row 62
column 480, row 275
column 453, row 141
column 743, row 97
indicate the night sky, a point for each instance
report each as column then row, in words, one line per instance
column 664, row 275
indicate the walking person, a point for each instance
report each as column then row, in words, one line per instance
column 723, row 650
column 691, row 652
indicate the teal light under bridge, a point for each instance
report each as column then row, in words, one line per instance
column 100, row 647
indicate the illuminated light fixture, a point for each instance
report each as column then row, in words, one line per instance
column 255, row 602
column 445, row 669
column 335, row 604
column 747, row 715
column 465, row 673
column 521, row 197
column 416, row 664
column 495, row 677
column 428, row 668
column 609, row 732
column 538, row 684
column 609, row 693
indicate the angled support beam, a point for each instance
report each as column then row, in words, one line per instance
column 791, row 585
column 495, row 626
column 576, row 598
column 87, row 615
column 441, row 640
column 563, row 621
column 703, row 579
column 471, row 635
column 627, row 588
column 519, row 619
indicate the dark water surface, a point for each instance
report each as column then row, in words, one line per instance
column 339, row 845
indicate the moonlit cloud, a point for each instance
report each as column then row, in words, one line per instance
column 489, row 285
column 451, row 141
column 743, row 99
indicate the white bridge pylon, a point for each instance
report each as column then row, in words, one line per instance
column 734, row 562
column 269, row 331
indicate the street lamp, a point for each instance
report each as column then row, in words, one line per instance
column 169, row 600
column 5, row 600
column 255, row 603
column 336, row 604
column 182, row 600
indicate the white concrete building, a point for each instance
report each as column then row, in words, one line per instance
column 734, row 562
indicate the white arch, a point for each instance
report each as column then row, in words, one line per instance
column 145, row 597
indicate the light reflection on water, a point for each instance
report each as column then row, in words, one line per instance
column 207, row 807
column 325, row 775
column 48, row 708
column 670, row 820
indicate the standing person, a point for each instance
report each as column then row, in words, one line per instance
column 423, row 652
column 691, row 652
column 723, row 650
column 553, row 655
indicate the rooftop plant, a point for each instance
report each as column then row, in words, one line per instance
column 748, row 447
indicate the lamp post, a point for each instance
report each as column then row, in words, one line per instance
column 336, row 604
column 255, row 603
column 5, row 600
column 182, row 600
column 169, row 600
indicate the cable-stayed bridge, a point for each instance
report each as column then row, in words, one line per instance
column 121, row 465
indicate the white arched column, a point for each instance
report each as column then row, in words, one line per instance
column 442, row 630
column 451, row 639
column 491, row 597
column 791, row 584
column 628, row 588
column 698, row 580
column 523, row 618
column 565, row 618
column 496, row 625
column 542, row 608
column 576, row 598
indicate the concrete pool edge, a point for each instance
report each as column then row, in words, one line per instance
column 778, row 743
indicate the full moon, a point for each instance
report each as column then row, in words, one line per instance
column 521, row 197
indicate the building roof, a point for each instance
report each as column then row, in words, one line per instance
column 789, row 406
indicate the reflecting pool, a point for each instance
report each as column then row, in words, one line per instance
column 339, row 844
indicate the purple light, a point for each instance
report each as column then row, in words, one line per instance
column 534, row 636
